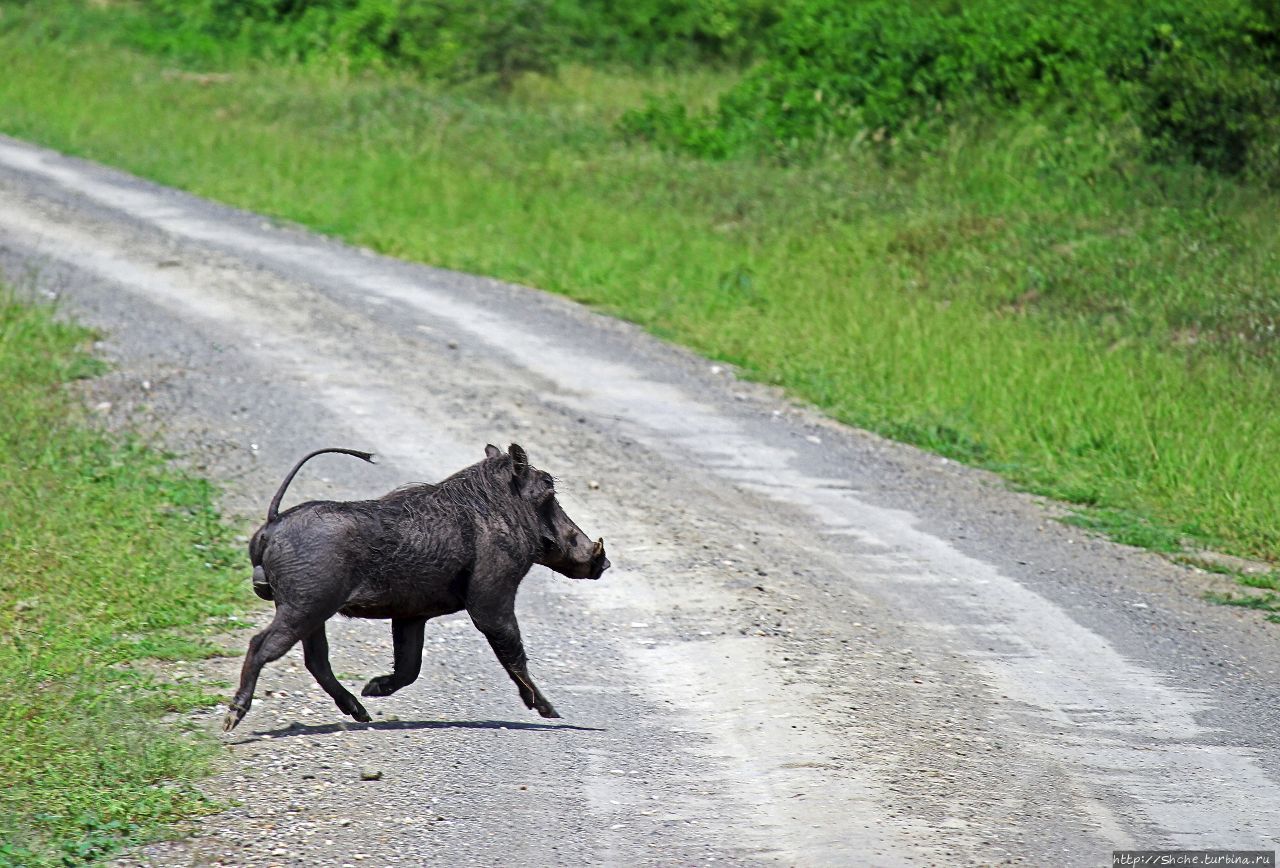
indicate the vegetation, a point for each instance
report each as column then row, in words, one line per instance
column 1201, row 81
column 1036, row 237
column 452, row 40
column 107, row 560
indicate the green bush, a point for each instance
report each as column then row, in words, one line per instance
column 667, row 32
column 1221, row 110
column 1199, row 79
column 453, row 40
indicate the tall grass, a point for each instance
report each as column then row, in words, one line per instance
column 1029, row 300
column 106, row 559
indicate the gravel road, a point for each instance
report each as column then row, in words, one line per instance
column 815, row 647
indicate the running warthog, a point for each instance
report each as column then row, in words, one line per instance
column 412, row 555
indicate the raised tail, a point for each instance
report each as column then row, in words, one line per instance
column 273, row 511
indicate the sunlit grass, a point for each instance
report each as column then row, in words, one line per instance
column 105, row 558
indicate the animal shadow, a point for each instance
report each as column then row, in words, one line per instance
column 296, row 728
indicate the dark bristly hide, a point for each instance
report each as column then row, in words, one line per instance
column 418, row 552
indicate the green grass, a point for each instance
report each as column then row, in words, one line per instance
column 1036, row 302
column 1264, row 598
column 107, row 559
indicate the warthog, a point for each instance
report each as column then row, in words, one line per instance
column 416, row 553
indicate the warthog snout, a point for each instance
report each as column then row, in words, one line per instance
column 599, row 563
column 577, row 566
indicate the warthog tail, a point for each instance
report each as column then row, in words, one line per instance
column 273, row 511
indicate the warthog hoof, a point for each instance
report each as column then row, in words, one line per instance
column 383, row 685
column 233, row 718
column 350, row 705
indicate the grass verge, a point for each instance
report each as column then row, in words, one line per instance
column 107, row 560
column 1040, row 304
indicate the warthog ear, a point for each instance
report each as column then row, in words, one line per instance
column 519, row 458
column 491, row 451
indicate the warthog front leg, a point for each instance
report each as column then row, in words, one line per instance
column 315, row 651
column 406, row 636
column 499, row 626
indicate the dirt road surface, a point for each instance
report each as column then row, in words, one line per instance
column 815, row 647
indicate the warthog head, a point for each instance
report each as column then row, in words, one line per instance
column 563, row 546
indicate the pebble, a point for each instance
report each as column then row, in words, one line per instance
column 371, row 775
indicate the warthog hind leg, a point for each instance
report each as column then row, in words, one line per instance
column 315, row 651
column 271, row 644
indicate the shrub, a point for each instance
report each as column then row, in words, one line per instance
column 449, row 39
column 1201, row 80
column 1216, row 102
column 456, row 39
column 667, row 32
